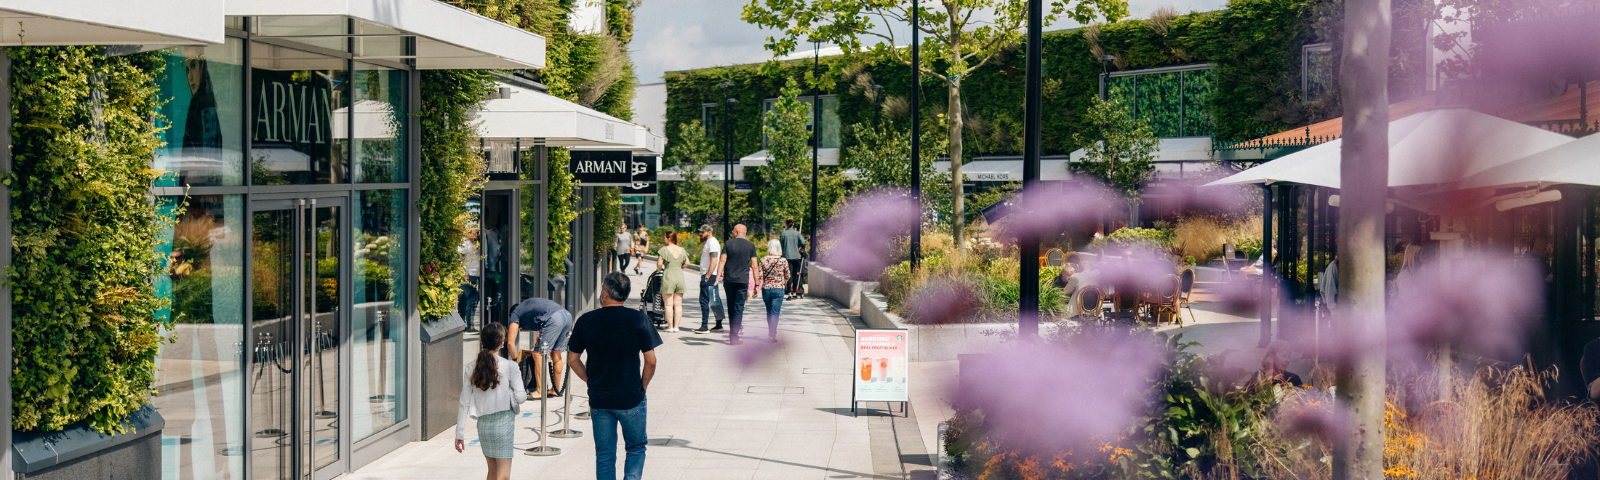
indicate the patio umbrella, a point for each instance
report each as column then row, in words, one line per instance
column 1427, row 148
column 1574, row 162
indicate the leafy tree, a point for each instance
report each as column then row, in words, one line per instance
column 961, row 36
column 1120, row 147
column 698, row 196
column 879, row 157
column 787, row 191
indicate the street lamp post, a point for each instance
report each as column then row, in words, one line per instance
column 916, row 133
column 816, row 142
column 1028, row 304
column 727, row 159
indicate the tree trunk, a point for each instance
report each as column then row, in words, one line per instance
column 958, row 222
column 1364, row 176
column 958, row 206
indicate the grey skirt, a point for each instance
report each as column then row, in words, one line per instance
column 495, row 432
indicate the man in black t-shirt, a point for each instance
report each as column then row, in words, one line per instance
column 739, row 260
column 615, row 336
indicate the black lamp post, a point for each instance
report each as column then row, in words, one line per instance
column 916, row 132
column 1028, row 304
column 727, row 159
column 1105, row 75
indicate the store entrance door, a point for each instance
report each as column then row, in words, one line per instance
column 297, row 281
column 500, row 237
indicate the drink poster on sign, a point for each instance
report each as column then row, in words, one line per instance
column 881, row 366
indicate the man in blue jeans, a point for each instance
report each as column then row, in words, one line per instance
column 710, row 273
column 615, row 337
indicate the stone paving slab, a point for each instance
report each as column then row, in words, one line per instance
column 704, row 422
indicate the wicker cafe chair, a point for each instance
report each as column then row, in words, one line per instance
column 1054, row 257
column 1166, row 301
column 1089, row 302
column 1185, row 291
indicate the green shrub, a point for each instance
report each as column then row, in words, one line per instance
column 1139, row 239
column 85, row 231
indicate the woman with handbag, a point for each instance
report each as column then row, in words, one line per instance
column 492, row 392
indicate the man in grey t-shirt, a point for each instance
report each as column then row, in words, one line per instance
column 623, row 250
column 794, row 245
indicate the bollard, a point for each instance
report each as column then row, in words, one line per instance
column 566, row 430
column 544, row 449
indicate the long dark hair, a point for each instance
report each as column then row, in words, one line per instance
column 486, row 374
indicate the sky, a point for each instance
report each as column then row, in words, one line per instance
column 674, row 35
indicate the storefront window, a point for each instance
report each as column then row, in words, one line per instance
column 202, row 116
column 199, row 383
column 830, row 119
column 379, row 329
column 294, row 95
column 380, row 112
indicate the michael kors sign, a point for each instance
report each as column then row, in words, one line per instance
column 612, row 169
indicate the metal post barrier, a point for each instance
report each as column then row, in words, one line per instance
column 544, row 449
column 566, row 430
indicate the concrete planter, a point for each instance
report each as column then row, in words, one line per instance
column 930, row 343
column 81, row 452
column 827, row 283
column 441, row 373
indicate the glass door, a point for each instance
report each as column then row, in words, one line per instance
column 295, row 329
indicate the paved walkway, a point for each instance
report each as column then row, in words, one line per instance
column 783, row 415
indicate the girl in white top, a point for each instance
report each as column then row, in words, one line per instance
column 492, row 392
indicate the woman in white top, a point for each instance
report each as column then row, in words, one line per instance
column 491, row 392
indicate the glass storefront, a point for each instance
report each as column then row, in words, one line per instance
column 290, row 294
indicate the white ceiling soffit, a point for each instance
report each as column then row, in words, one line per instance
column 1175, row 149
column 541, row 118
column 644, row 143
column 110, row 22
column 825, row 156
column 447, row 37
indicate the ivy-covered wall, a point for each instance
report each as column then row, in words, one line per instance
column 85, row 311
column 1254, row 46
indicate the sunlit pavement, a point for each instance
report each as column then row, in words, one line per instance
column 784, row 416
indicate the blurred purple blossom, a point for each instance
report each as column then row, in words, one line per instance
column 862, row 235
column 1045, row 210
column 1038, row 396
column 942, row 301
column 1487, row 306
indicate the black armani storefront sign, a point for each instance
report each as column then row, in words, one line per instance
column 612, row 169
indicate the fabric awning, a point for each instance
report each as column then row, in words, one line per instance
column 446, row 37
column 1576, row 162
column 1428, row 148
column 99, row 22
column 539, row 118
column 825, row 156
column 644, row 142
column 1175, row 149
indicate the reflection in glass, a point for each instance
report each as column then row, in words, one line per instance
column 294, row 95
column 199, row 381
column 380, row 109
column 322, row 308
column 272, row 251
column 496, row 273
column 202, row 116
column 378, row 373
column 531, row 287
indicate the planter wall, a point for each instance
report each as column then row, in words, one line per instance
column 79, row 452
column 931, row 343
column 441, row 373
column 830, row 284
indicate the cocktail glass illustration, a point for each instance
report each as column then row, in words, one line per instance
column 866, row 369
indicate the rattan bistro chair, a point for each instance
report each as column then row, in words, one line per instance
column 1054, row 257
column 1185, row 291
column 1165, row 304
column 1089, row 303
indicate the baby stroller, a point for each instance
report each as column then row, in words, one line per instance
column 652, row 303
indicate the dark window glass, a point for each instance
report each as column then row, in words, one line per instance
column 203, row 116
column 294, row 97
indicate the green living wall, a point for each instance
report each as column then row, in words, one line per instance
column 1254, row 87
column 86, row 328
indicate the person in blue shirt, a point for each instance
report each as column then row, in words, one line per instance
column 552, row 324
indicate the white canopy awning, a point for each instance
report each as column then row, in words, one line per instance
column 446, row 37
column 540, row 118
column 1005, row 170
column 1576, row 162
column 1428, row 148
column 644, row 143
column 825, row 156
column 102, row 22
column 712, row 173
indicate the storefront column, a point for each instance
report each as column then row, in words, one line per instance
column 5, row 264
column 588, row 264
column 1264, row 305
